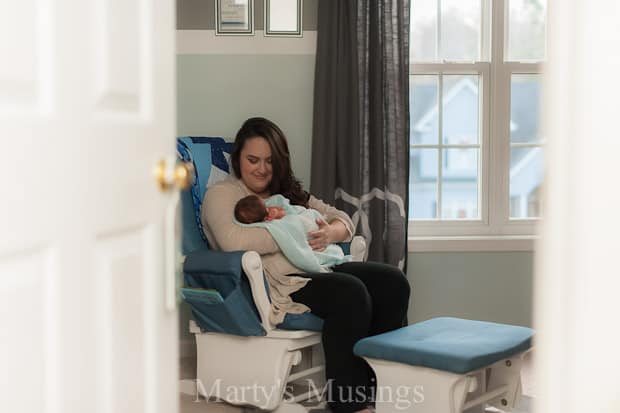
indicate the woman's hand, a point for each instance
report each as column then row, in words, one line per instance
column 328, row 233
column 322, row 237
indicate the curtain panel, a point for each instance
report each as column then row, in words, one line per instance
column 360, row 146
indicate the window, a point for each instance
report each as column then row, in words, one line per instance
column 475, row 142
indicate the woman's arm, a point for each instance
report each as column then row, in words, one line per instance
column 217, row 216
column 338, row 228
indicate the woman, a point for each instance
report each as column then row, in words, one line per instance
column 356, row 300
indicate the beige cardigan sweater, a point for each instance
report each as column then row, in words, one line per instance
column 217, row 217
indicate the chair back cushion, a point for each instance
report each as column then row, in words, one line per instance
column 210, row 157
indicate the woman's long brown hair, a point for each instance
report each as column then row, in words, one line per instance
column 283, row 181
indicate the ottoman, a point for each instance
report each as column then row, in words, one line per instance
column 447, row 365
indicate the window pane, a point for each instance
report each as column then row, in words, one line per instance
column 424, row 117
column 460, row 109
column 423, row 184
column 460, row 30
column 526, row 175
column 459, row 182
column 526, row 30
column 525, row 108
column 423, row 32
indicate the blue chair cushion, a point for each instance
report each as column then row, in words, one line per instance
column 450, row 344
column 305, row 321
column 208, row 155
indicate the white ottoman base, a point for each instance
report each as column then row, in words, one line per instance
column 402, row 388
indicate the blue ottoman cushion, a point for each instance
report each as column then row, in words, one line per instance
column 450, row 344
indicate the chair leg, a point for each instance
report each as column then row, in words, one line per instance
column 262, row 378
column 481, row 384
column 243, row 378
column 506, row 373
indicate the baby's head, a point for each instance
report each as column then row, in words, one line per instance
column 252, row 209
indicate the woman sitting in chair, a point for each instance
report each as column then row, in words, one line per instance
column 356, row 300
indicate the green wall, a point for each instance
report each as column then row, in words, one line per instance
column 491, row 286
column 216, row 93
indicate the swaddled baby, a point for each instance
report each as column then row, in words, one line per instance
column 289, row 226
column 252, row 209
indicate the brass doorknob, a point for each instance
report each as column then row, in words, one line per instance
column 170, row 175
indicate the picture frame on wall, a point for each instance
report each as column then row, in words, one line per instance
column 234, row 17
column 283, row 18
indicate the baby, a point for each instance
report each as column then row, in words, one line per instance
column 289, row 226
column 252, row 209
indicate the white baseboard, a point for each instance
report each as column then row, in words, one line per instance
column 187, row 386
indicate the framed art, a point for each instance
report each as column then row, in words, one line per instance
column 283, row 18
column 234, row 17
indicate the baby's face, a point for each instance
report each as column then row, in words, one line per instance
column 274, row 212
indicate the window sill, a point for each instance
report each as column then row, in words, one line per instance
column 472, row 243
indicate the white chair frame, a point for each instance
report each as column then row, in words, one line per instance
column 261, row 372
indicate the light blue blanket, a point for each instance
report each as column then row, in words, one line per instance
column 291, row 235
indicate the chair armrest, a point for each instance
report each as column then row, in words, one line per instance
column 231, row 265
column 253, row 268
column 358, row 248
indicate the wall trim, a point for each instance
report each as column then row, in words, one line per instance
column 206, row 42
column 472, row 243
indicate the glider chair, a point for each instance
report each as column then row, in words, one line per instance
column 241, row 358
column 441, row 365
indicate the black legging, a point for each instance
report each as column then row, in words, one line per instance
column 358, row 299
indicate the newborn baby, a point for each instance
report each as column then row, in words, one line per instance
column 252, row 209
column 289, row 225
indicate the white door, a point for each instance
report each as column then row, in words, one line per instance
column 86, row 110
column 577, row 308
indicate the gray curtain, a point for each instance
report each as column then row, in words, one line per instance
column 360, row 138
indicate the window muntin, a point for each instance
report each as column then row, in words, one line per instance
column 526, row 172
column 460, row 106
column 460, row 30
column 525, row 31
column 424, row 90
column 478, row 188
column 424, row 31
column 445, row 179
column 423, row 183
column 446, row 30
column 459, row 184
column 526, row 147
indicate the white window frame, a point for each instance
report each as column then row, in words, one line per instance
column 494, row 231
